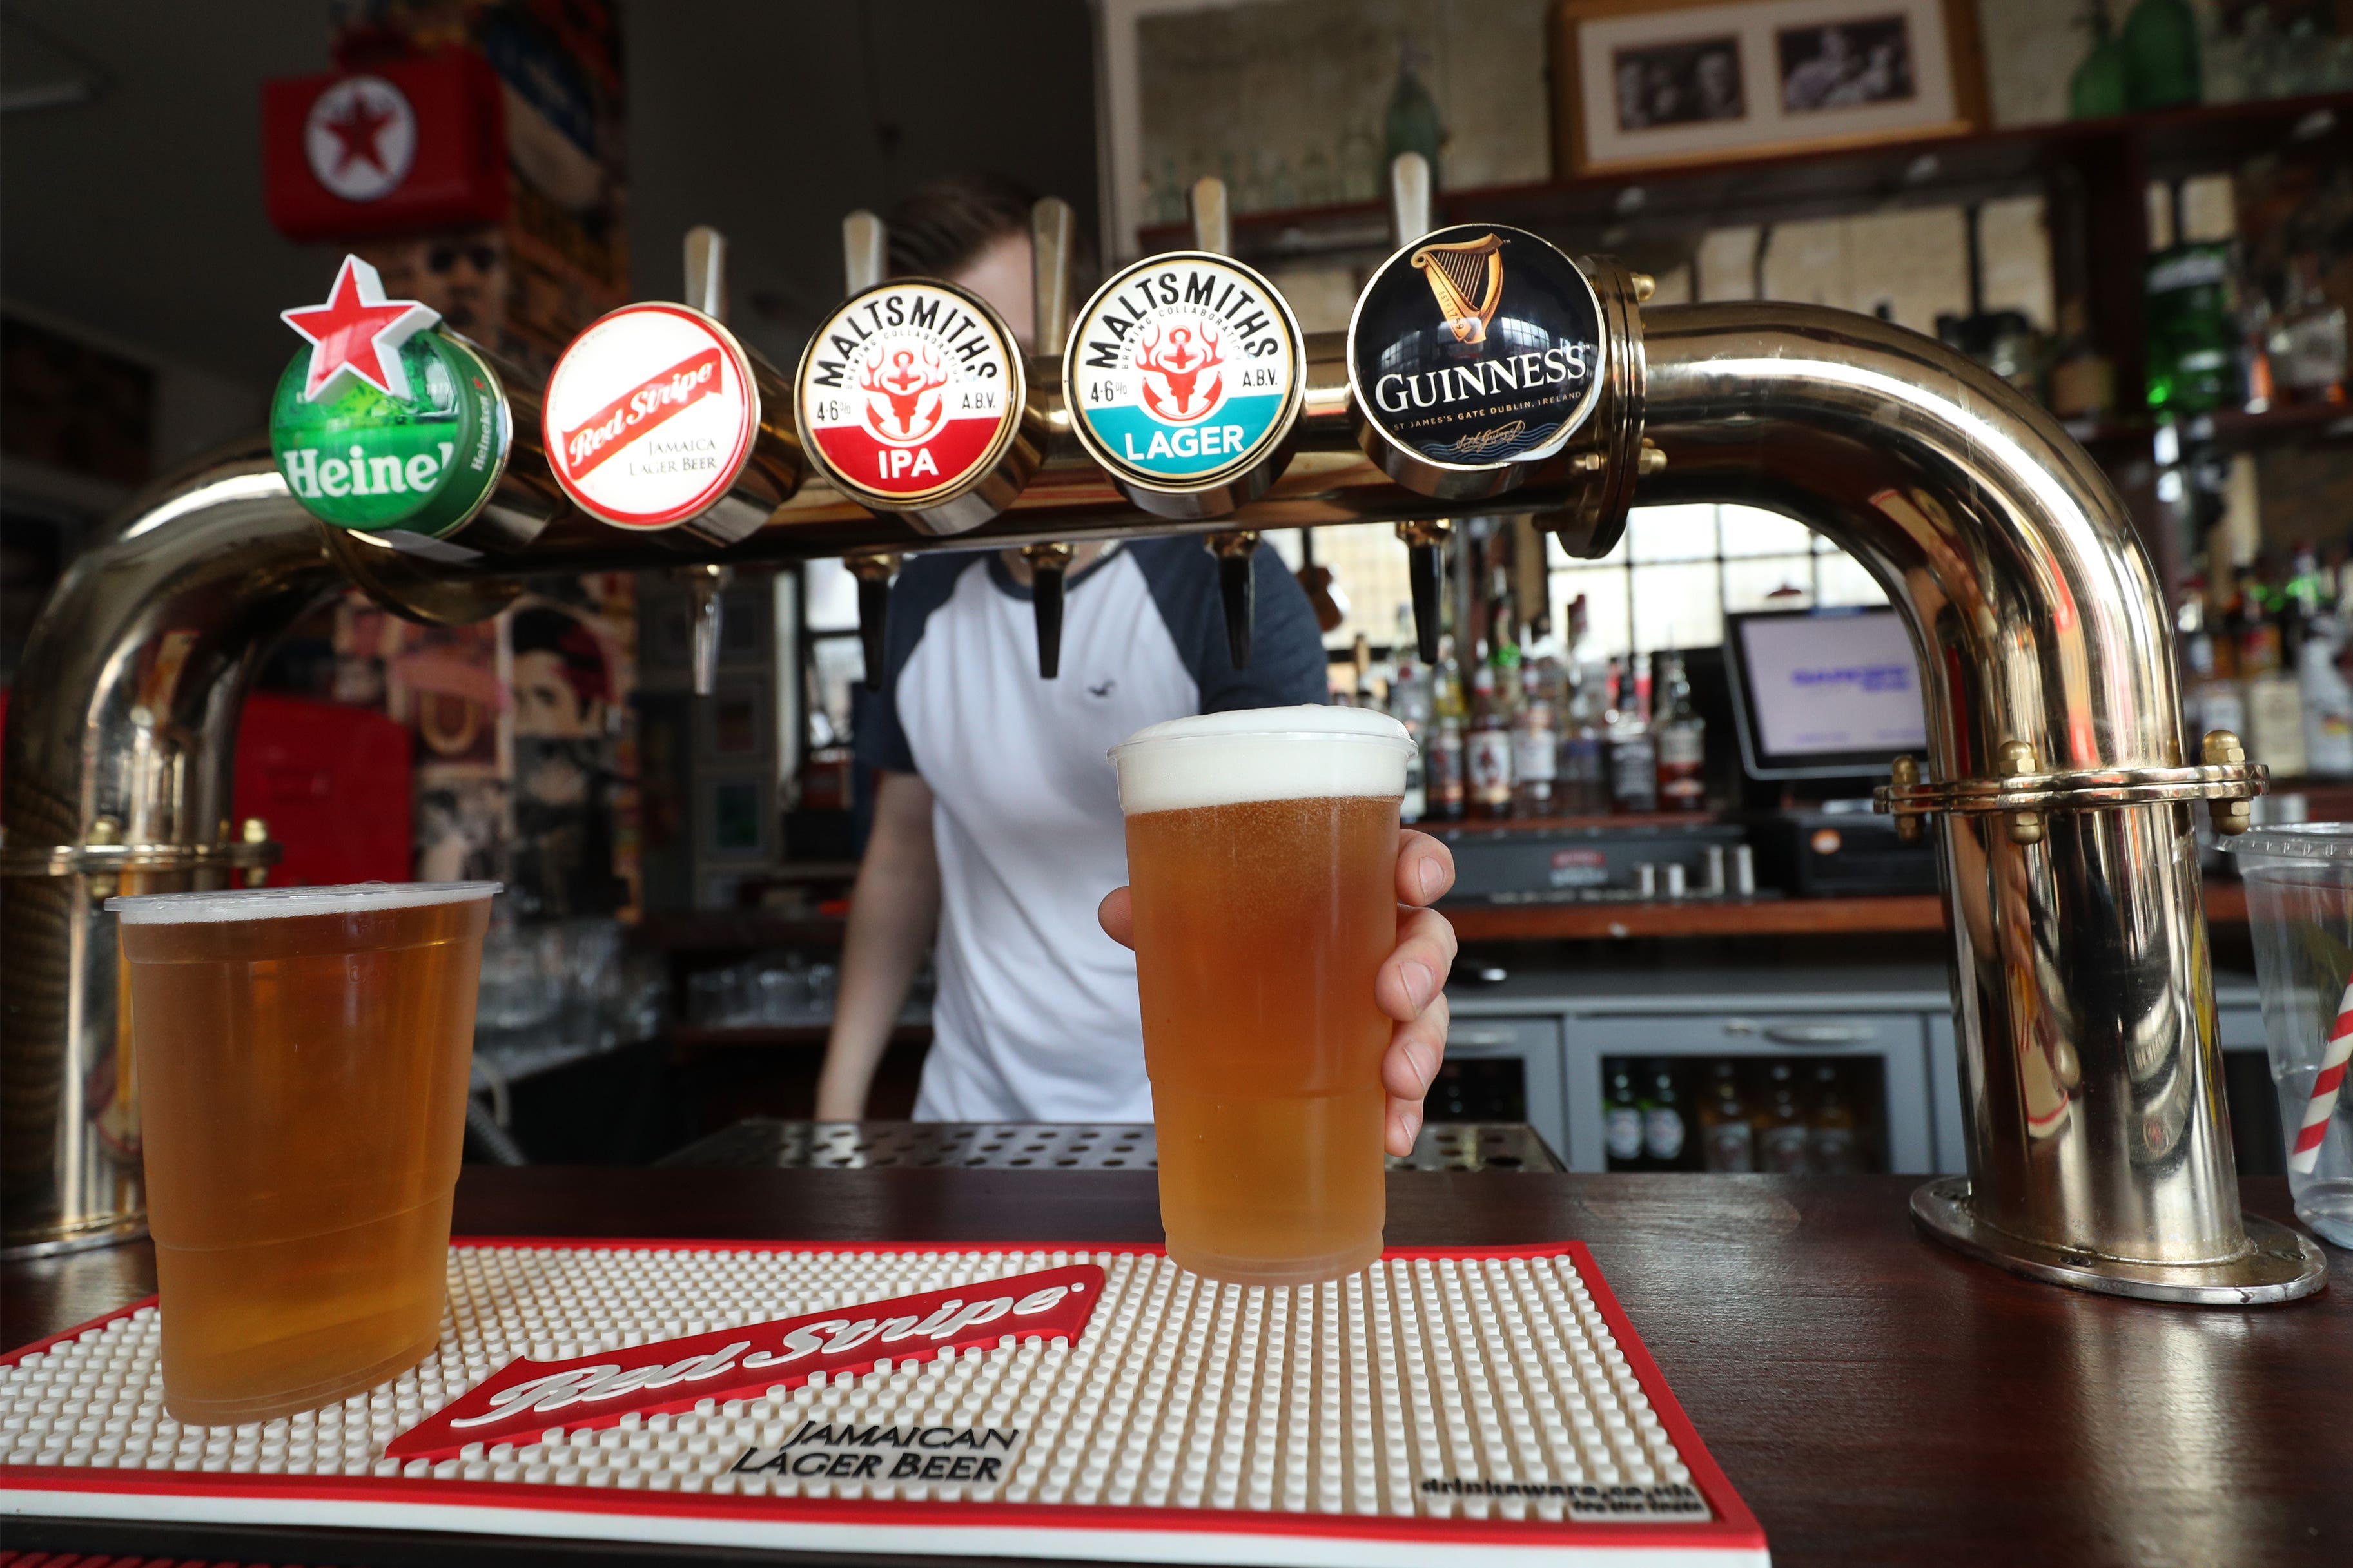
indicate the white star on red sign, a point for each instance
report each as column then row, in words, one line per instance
column 358, row 333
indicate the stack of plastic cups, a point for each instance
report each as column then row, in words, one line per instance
column 2299, row 882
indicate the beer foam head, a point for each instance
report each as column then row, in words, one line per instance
column 1260, row 753
column 284, row 903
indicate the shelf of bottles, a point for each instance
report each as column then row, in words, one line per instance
column 1786, row 1115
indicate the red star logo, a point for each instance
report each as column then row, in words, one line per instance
column 358, row 333
column 356, row 131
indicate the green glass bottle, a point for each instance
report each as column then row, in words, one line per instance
column 2161, row 55
column 2098, row 88
column 1412, row 124
column 2193, row 338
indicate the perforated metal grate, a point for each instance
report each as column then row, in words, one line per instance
column 1047, row 1146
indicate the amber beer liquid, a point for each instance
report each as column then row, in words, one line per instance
column 303, row 1055
column 1262, row 852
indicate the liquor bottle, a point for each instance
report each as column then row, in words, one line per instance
column 2275, row 697
column 1781, row 1135
column 1726, row 1141
column 1621, row 1122
column 2211, row 656
column 2098, row 88
column 1535, row 755
column 1830, row 1148
column 1449, row 783
column 1663, row 1131
column 2160, row 41
column 2193, row 330
column 1682, row 741
column 1409, row 705
column 1581, row 783
column 2328, row 697
column 1633, row 755
column 2308, row 340
column 1487, row 751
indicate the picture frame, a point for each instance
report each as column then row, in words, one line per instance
column 1652, row 84
column 736, row 724
column 737, row 820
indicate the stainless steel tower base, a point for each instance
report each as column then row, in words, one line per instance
column 2278, row 1264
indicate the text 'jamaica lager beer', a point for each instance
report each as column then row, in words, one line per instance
column 1262, row 852
column 302, row 1056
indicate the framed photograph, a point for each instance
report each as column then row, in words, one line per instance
column 1644, row 84
column 736, row 724
column 738, row 817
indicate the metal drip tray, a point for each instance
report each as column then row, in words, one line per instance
column 765, row 1141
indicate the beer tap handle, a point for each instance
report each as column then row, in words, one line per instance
column 1051, row 223
column 1048, row 565
column 1425, row 545
column 1237, row 590
column 706, row 585
column 706, row 271
column 1213, row 219
column 865, row 251
column 873, row 569
column 1409, row 197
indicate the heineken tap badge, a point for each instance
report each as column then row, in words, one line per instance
column 384, row 424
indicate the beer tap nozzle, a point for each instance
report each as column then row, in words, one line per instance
column 1425, row 544
column 873, row 569
column 865, row 247
column 1051, row 223
column 1409, row 197
column 1048, row 565
column 706, row 271
column 706, row 585
column 1213, row 220
column 1237, row 590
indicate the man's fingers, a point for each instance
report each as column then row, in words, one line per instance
column 1117, row 914
column 1405, row 1125
column 1417, row 1048
column 1425, row 869
column 1415, row 974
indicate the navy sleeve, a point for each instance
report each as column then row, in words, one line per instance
column 923, row 585
column 1287, row 664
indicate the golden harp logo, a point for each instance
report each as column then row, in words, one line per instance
column 1467, row 278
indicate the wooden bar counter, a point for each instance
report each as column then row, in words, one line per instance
column 1875, row 1397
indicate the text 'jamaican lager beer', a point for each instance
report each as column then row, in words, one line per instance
column 1261, row 852
column 302, row 1056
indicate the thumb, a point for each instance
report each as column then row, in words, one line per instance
column 1117, row 914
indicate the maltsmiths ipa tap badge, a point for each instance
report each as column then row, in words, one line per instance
column 910, row 394
column 1183, row 378
column 1474, row 353
column 385, row 424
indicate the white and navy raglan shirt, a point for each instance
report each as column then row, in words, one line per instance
column 1036, row 1017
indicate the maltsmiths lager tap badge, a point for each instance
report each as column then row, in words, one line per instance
column 650, row 416
column 1182, row 377
column 911, row 396
column 384, row 424
column 1474, row 353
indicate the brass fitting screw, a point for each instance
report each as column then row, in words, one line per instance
column 1644, row 286
column 2017, row 760
column 102, row 884
column 1909, row 825
column 1650, row 459
column 255, row 831
column 2222, row 749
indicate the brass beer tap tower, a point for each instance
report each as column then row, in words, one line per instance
column 2055, row 773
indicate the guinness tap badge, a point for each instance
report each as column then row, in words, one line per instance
column 1182, row 380
column 1473, row 355
column 910, row 399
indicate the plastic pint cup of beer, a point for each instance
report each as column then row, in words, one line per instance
column 302, row 1056
column 1262, row 855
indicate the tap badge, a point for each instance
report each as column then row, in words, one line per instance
column 910, row 393
column 383, row 423
column 1182, row 371
column 1505, row 367
column 650, row 416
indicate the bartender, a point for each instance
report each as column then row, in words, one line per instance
column 996, row 818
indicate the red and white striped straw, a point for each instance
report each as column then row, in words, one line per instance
column 2305, row 1156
